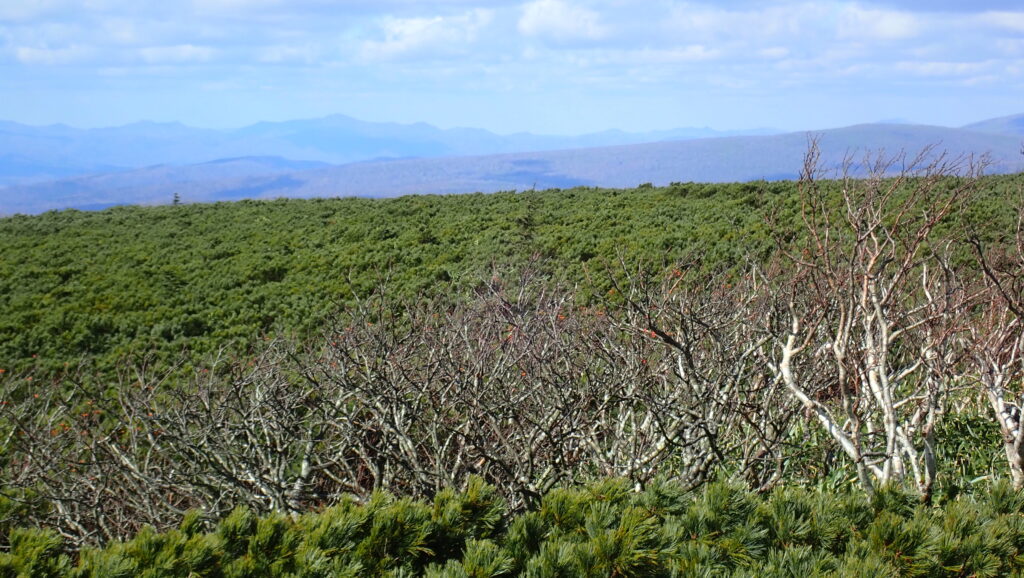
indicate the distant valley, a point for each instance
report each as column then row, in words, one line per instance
column 58, row 167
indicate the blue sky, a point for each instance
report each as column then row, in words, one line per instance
column 545, row 66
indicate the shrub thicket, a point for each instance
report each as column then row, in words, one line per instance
column 602, row 529
column 258, row 361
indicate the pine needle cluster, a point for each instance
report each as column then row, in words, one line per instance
column 602, row 529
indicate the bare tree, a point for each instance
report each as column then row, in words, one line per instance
column 714, row 402
column 518, row 384
column 873, row 306
column 85, row 464
column 997, row 340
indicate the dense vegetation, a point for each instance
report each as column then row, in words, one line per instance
column 101, row 286
column 602, row 529
column 860, row 339
column 198, row 277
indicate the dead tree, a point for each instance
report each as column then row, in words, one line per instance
column 85, row 464
column 996, row 340
column 871, row 309
column 713, row 403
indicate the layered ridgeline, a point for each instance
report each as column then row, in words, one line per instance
column 287, row 356
column 45, row 168
column 58, row 167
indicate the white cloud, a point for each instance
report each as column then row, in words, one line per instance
column 22, row 10
column 180, row 53
column 52, row 56
column 678, row 55
column 791, row 25
column 122, row 31
column 232, row 6
column 1012, row 21
column 560, row 20
column 942, row 68
column 790, row 21
column 288, row 53
column 617, row 62
column 417, row 36
column 522, row 47
column 773, row 52
column 691, row 53
column 1010, row 47
column 29, row 11
column 862, row 23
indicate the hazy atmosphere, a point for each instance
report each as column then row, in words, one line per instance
column 544, row 66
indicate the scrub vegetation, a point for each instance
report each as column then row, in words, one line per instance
column 820, row 376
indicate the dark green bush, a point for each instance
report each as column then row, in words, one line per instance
column 603, row 529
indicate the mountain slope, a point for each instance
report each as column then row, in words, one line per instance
column 1010, row 125
column 231, row 179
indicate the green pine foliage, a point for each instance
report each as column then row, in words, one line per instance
column 107, row 285
column 34, row 553
column 475, row 515
column 102, row 287
column 602, row 529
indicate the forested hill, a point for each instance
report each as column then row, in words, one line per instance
column 100, row 286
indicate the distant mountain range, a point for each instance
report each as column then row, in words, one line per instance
column 31, row 153
column 58, row 167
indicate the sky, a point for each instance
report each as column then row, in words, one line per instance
column 542, row 66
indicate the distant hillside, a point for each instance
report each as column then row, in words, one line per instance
column 705, row 160
column 728, row 159
column 1011, row 125
column 237, row 178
